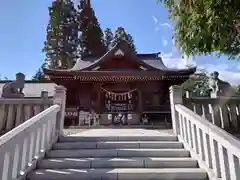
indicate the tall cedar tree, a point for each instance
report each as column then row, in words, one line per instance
column 62, row 41
column 108, row 38
column 39, row 76
column 91, row 41
column 120, row 33
column 206, row 26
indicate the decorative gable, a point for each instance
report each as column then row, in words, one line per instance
column 121, row 56
column 119, row 52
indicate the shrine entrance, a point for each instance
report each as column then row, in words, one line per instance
column 119, row 103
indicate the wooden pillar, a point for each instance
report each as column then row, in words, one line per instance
column 99, row 92
column 140, row 101
column 99, row 101
column 161, row 92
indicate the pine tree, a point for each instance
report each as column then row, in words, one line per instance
column 91, row 33
column 62, row 35
column 120, row 33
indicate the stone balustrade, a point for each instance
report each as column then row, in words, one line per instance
column 23, row 146
column 13, row 112
column 223, row 112
column 217, row 151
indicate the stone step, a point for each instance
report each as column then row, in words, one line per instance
column 148, row 162
column 117, row 153
column 116, row 138
column 120, row 174
column 117, row 144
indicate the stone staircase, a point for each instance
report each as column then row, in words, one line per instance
column 118, row 158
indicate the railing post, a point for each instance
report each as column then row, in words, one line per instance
column 44, row 95
column 175, row 98
column 187, row 94
column 60, row 99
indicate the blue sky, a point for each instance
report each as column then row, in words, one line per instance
column 23, row 27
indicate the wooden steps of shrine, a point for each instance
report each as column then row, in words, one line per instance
column 118, row 158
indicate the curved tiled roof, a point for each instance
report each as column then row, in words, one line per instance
column 155, row 62
column 82, row 64
column 151, row 61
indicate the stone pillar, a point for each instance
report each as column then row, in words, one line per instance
column 60, row 99
column 175, row 98
column 214, row 95
column 44, row 95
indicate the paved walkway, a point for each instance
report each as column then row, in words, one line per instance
column 123, row 132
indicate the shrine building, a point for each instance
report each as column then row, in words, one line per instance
column 121, row 81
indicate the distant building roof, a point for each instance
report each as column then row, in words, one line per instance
column 34, row 89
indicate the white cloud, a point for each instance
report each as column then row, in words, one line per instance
column 158, row 24
column 232, row 77
column 166, row 25
column 172, row 61
column 164, row 42
column 155, row 19
column 238, row 67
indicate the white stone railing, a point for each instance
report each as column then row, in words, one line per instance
column 23, row 146
column 223, row 112
column 14, row 112
column 217, row 151
column 25, row 143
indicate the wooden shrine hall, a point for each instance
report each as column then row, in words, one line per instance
column 120, row 81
